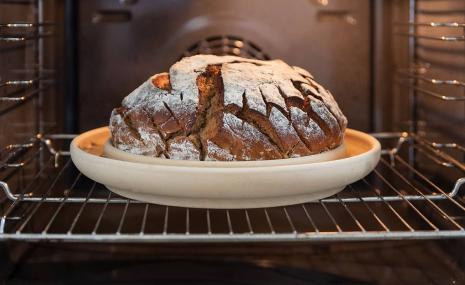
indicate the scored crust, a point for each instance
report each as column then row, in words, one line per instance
column 228, row 108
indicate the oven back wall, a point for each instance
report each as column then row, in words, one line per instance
column 122, row 43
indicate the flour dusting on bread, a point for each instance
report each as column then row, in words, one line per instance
column 249, row 110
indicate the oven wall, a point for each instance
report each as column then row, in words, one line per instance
column 17, row 62
column 446, row 61
column 433, row 59
column 122, row 43
column 38, row 57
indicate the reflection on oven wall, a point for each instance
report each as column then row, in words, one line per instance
column 435, row 60
column 27, row 70
column 447, row 61
column 124, row 42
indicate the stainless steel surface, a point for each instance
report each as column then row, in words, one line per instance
column 27, row 62
column 436, row 34
column 396, row 201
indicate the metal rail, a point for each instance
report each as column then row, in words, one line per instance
column 438, row 38
column 432, row 94
column 24, row 37
column 23, row 82
column 449, row 82
column 435, row 24
column 24, row 25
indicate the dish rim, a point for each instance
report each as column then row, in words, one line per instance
column 375, row 146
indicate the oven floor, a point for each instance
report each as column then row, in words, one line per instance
column 412, row 262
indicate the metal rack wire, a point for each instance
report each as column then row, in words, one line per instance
column 433, row 77
column 25, row 82
column 433, row 81
column 417, row 75
column 396, row 201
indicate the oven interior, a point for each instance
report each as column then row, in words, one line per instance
column 396, row 68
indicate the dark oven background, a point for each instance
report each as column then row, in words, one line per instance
column 122, row 43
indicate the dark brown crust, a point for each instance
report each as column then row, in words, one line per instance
column 215, row 131
column 208, row 126
column 209, row 86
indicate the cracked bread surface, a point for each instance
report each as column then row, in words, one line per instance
column 228, row 108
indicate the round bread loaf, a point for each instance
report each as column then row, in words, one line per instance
column 228, row 108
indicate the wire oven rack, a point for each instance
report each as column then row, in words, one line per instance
column 398, row 200
column 44, row 198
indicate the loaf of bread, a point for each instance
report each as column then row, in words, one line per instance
column 228, row 108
